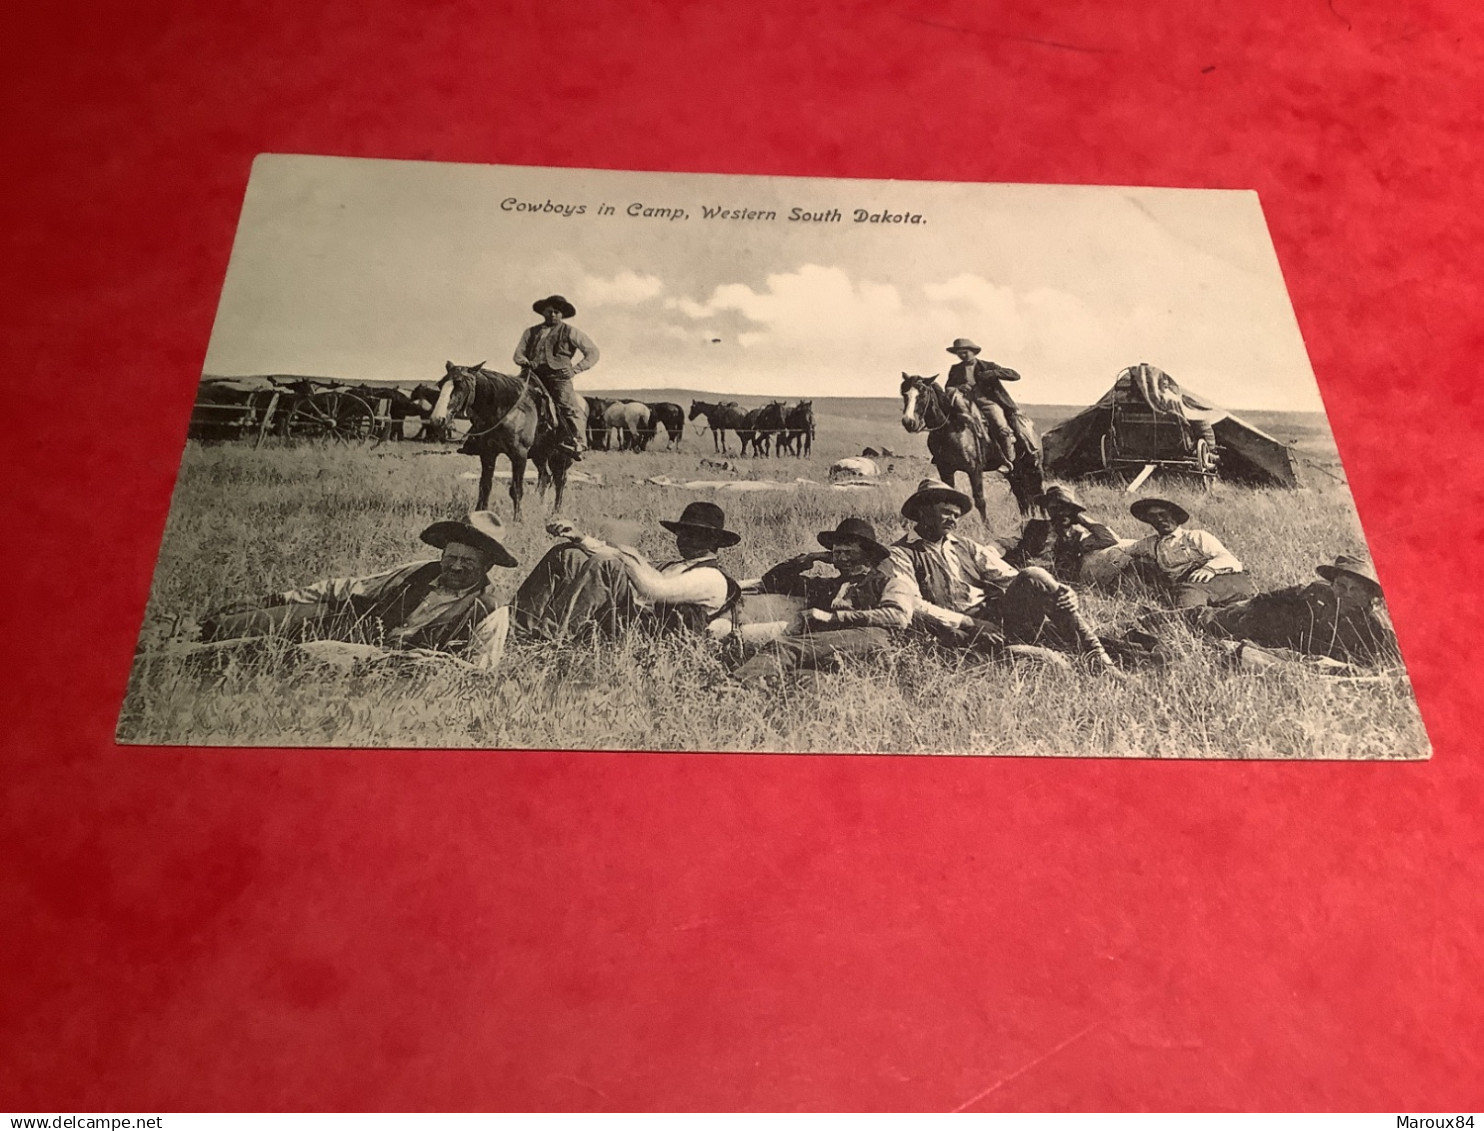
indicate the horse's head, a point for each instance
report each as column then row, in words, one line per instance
column 914, row 391
column 698, row 408
column 455, row 392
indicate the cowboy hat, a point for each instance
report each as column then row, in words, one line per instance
column 1058, row 496
column 703, row 518
column 935, row 491
column 564, row 308
column 1141, row 508
column 1355, row 567
column 479, row 532
column 856, row 530
column 961, row 344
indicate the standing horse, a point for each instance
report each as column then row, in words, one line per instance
column 504, row 419
column 751, row 433
column 719, row 417
column 953, row 445
column 597, row 431
column 769, row 428
column 627, row 420
column 798, row 429
column 670, row 417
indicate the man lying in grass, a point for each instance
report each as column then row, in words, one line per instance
column 1191, row 568
column 967, row 595
column 585, row 586
column 860, row 610
column 438, row 605
column 1335, row 623
column 1077, row 548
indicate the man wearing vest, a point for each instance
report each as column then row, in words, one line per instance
column 549, row 350
column 441, row 605
column 968, row 596
column 586, row 586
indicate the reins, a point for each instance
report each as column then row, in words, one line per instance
column 525, row 388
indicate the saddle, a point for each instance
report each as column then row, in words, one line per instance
column 962, row 406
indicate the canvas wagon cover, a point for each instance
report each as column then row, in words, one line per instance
column 1248, row 454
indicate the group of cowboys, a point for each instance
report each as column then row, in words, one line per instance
column 856, row 597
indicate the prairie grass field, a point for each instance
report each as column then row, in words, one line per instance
column 246, row 522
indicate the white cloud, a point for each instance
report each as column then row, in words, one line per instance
column 627, row 288
column 689, row 307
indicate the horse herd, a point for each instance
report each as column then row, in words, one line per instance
column 631, row 426
column 775, row 426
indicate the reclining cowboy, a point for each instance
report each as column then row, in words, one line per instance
column 1190, row 568
column 441, row 605
column 968, row 596
column 859, row 610
column 1336, row 622
column 1080, row 548
column 587, row 586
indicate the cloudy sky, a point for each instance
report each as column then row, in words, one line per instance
column 384, row 270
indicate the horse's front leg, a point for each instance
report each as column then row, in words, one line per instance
column 976, row 488
column 486, row 480
column 517, row 485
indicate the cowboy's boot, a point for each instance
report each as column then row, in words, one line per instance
column 1088, row 642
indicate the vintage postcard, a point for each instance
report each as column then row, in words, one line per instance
column 506, row 458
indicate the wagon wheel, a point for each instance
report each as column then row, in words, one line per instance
column 1107, row 453
column 331, row 416
column 1205, row 460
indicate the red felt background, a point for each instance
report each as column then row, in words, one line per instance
column 309, row 929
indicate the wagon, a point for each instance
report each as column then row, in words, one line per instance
column 233, row 410
column 330, row 413
column 296, row 410
column 1141, row 439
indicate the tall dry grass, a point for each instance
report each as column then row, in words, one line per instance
column 247, row 522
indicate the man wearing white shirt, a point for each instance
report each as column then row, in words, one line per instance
column 1191, row 567
column 550, row 349
column 585, row 585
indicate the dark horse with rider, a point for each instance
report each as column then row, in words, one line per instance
column 974, row 426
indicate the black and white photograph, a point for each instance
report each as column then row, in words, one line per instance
column 536, row 458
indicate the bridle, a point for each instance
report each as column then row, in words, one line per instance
column 923, row 401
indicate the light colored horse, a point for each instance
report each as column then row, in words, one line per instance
column 631, row 420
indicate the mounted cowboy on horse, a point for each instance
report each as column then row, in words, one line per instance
column 974, row 425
